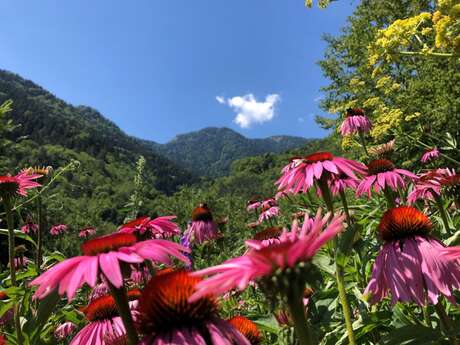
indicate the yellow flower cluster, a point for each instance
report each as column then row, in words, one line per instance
column 411, row 36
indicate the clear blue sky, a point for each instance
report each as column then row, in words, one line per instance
column 155, row 67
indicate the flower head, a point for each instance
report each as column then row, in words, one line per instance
column 430, row 155
column 103, row 320
column 294, row 248
column 428, row 185
column 338, row 183
column 29, row 227
column 202, row 227
column 355, row 121
column 64, row 330
column 253, row 205
column 247, row 328
column 103, row 256
column 18, row 184
column 160, row 227
column 58, row 229
column 410, row 263
column 301, row 173
column 87, row 232
column 383, row 174
column 167, row 317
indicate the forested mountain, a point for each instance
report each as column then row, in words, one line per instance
column 211, row 151
column 43, row 119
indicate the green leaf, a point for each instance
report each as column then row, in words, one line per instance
column 19, row 234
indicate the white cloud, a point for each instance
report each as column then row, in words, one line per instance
column 249, row 111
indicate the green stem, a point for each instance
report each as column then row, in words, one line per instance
column 363, row 143
column 344, row 301
column 121, row 299
column 302, row 328
column 442, row 212
column 345, row 207
column 326, row 193
column 447, row 324
column 11, row 252
column 426, row 316
column 38, row 259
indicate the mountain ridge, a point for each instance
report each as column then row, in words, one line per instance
column 211, row 151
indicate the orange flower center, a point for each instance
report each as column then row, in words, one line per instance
column 355, row 112
column 202, row 213
column 135, row 223
column 318, row 157
column 378, row 166
column 104, row 307
column 401, row 222
column 269, row 233
column 9, row 185
column 247, row 328
column 105, row 244
column 164, row 304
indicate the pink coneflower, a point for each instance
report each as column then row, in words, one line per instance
column 99, row 290
column 247, row 328
column 65, row 330
column 355, row 121
column 430, row 155
column 383, row 175
column 301, row 173
column 338, row 183
column 160, row 227
column 167, row 317
column 87, row 232
column 410, row 263
column 261, row 262
column 268, row 213
column 253, row 205
column 451, row 185
column 18, row 184
column 428, row 186
column 29, row 227
column 104, row 321
column 58, row 229
column 20, row 262
column 268, row 236
column 202, row 228
column 3, row 340
column 103, row 257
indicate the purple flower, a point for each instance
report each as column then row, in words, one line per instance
column 355, row 121
column 430, row 155
column 411, row 265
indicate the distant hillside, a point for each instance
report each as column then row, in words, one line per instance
column 52, row 132
column 45, row 119
column 211, row 151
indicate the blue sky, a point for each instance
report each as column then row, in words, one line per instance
column 158, row 68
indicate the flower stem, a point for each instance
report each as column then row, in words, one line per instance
column 121, row 299
column 344, row 302
column 345, row 206
column 38, row 259
column 301, row 326
column 447, row 324
column 11, row 252
column 442, row 213
column 363, row 143
column 326, row 193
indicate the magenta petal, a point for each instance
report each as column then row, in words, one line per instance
column 111, row 268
